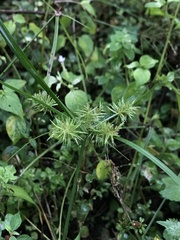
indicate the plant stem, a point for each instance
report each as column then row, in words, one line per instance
column 161, row 62
column 167, row 42
column 154, row 216
column 62, row 204
column 53, row 47
column 73, row 192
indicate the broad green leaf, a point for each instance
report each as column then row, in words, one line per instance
column 50, row 80
column 19, row 18
column 129, row 53
column 16, row 128
column 118, row 92
column 12, row 238
column 20, row 193
column 103, row 79
column 75, row 100
column 88, row 22
column 141, row 76
column 128, row 93
column 11, row 26
column 171, row 191
column 15, row 83
column 65, row 21
column 102, row 170
column 88, row 7
column 35, row 29
column 147, row 62
column 172, row 227
column 15, row 222
column 10, row 102
column 86, row 44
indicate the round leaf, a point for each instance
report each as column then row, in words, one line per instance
column 19, row 18
column 75, row 100
column 141, row 76
column 147, row 62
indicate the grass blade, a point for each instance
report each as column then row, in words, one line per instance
column 155, row 160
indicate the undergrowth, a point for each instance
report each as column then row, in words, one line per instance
column 89, row 120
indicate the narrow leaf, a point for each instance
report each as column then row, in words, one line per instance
column 20, row 192
column 155, row 160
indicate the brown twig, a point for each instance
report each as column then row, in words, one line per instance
column 7, row 11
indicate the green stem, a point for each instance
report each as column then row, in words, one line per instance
column 38, row 157
column 77, row 52
column 14, row 67
column 53, row 51
column 154, row 217
column 44, row 31
column 24, row 146
column 62, row 204
column 161, row 62
column 73, row 192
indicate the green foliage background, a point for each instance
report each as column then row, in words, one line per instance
column 83, row 82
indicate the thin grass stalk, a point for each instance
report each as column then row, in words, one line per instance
column 25, row 145
column 53, row 51
column 37, row 159
column 62, row 205
column 36, row 228
column 137, row 166
column 74, row 188
column 154, row 217
column 162, row 60
column 77, row 53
